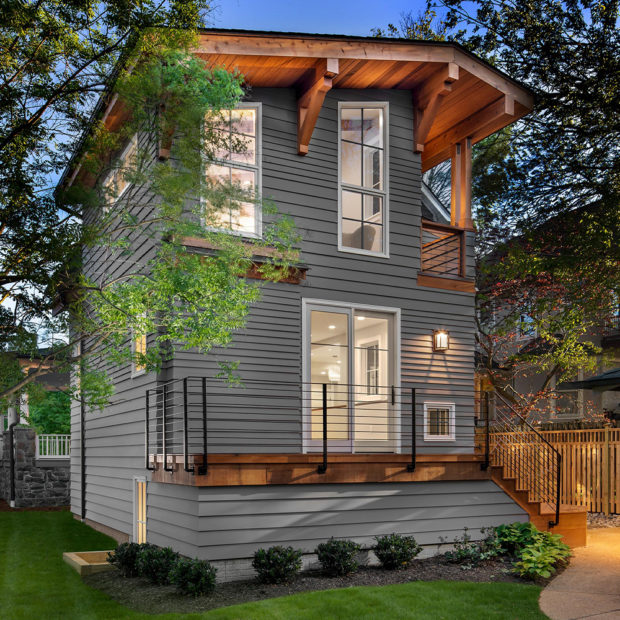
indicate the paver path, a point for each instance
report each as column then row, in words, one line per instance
column 590, row 586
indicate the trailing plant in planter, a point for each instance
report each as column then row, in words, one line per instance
column 155, row 563
column 195, row 577
column 277, row 564
column 338, row 557
column 396, row 551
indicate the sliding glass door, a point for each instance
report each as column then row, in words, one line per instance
column 351, row 352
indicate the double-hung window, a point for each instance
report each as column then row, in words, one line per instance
column 238, row 166
column 363, row 171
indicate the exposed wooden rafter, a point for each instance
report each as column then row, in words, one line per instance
column 476, row 127
column 311, row 100
column 428, row 99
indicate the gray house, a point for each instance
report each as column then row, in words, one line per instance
column 356, row 414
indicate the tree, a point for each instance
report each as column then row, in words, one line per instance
column 546, row 190
column 56, row 59
column 50, row 412
column 180, row 298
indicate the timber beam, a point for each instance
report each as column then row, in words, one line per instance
column 476, row 127
column 311, row 99
column 427, row 101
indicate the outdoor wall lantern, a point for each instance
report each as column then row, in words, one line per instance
column 441, row 340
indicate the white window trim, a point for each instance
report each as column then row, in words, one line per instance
column 385, row 106
column 305, row 350
column 452, row 422
column 258, row 234
column 134, row 371
column 133, row 142
column 136, row 480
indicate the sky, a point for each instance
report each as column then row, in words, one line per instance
column 352, row 17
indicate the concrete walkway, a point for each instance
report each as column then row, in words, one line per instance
column 590, row 586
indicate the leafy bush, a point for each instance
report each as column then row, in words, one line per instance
column 541, row 558
column 515, row 536
column 338, row 557
column 124, row 558
column 470, row 553
column 196, row 577
column 155, row 563
column 396, row 551
column 277, row 564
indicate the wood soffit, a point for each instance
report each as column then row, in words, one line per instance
column 455, row 95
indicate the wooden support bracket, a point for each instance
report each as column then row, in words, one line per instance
column 476, row 127
column 311, row 100
column 428, row 99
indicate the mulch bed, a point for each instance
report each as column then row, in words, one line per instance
column 140, row 595
column 4, row 507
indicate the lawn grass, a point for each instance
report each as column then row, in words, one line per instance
column 36, row 583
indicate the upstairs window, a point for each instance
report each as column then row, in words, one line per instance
column 115, row 183
column 138, row 347
column 238, row 164
column 363, row 192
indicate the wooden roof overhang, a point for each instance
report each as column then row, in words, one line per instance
column 456, row 96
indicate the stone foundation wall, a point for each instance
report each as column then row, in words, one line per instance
column 38, row 482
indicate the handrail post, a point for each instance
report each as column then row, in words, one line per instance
column 558, row 492
column 147, row 463
column 164, row 425
column 185, row 431
column 487, row 434
column 414, row 437
column 203, row 469
column 323, row 466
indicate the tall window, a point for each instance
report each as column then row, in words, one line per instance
column 138, row 346
column 115, row 183
column 363, row 178
column 238, row 165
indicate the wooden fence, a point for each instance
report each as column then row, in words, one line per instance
column 590, row 467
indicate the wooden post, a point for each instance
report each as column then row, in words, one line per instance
column 460, row 200
column 605, row 467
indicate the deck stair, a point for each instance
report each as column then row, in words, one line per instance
column 529, row 470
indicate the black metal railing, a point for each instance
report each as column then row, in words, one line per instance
column 443, row 250
column 196, row 417
column 510, row 441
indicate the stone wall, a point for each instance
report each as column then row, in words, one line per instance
column 38, row 482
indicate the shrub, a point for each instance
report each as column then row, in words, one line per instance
column 196, row 577
column 541, row 558
column 396, row 551
column 470, row 553
column 124, row 557
column 155, row 563
column 515, row 536
column 338, row 557
column 277, row 564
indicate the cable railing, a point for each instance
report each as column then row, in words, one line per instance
column 443, row 250
column 197, row 417
column 525, row 455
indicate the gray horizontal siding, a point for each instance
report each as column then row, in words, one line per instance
column 229, row 523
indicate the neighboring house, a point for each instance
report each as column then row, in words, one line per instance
column 383, row 306
column 575, row 400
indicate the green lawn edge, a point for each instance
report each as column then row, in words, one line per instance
column 36, row 582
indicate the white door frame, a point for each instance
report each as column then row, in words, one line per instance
column 308, row 304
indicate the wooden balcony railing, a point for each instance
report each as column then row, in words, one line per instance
column 443, row 250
